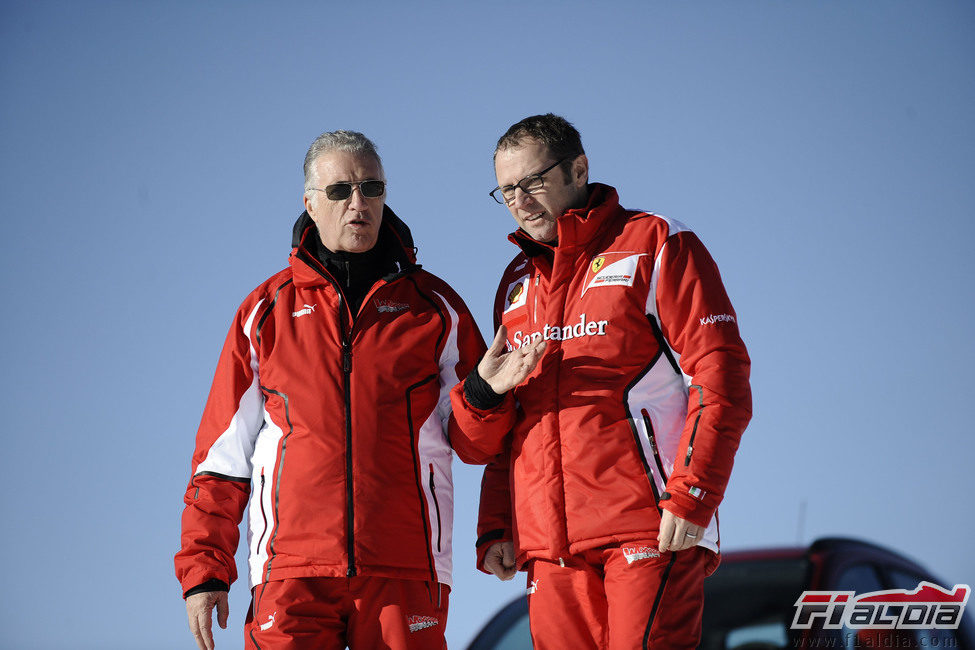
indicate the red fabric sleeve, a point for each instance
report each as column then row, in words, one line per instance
column 476, row 436
column 211, row 519
column 215, row 500
column 484, row 433
column 495, row 506
column 494, row 512
column 700, row 325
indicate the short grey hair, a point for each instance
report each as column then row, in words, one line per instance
column 350, row 141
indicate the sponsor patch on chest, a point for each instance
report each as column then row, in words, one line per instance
column 516, row 294
column 390, row 306
column 612, row 269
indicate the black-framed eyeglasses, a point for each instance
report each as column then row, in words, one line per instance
column 529, row 185
column 342, row 191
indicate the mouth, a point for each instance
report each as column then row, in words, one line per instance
column 534, row 217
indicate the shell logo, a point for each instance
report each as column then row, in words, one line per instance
column 515, row 293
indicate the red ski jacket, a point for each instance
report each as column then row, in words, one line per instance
column 335, row 428
column 641, row 396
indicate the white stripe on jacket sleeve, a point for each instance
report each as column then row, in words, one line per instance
column 436, row 454
column 230, row 455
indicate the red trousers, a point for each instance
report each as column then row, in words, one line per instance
column 360, row 613
column 621, row 598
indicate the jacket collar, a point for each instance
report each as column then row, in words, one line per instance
column 395, row 240
column 577, row 227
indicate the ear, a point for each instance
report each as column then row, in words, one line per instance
column 580, row 171
column 309, row 206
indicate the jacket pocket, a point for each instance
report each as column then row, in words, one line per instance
column 653, row 445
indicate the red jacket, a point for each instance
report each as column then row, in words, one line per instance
column 336, row 430
column 640, row 398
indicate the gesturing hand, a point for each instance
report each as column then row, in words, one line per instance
column 504, row 370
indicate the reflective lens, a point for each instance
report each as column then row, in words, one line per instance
column 342, row 191
column 372, row 189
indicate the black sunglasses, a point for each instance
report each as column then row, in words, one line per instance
column 342, row 191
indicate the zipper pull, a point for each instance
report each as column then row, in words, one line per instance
column 346, row 357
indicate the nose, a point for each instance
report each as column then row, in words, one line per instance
column 357, row 201
column 521, row 198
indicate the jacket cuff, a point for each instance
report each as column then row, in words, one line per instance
column 210, row 585
column 479, row 394
column 687, row 507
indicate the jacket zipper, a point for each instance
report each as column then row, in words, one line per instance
column 263, row 513
column 697, row 420
column 347, row 390
column 422, row 503
column 346, row 334
column 436, row 505
column 535, row 299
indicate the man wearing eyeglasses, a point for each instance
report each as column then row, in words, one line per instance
column 624, row 434
column 329, row 417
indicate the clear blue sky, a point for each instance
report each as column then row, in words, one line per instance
column 150, row 157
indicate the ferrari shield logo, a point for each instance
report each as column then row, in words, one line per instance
column 612, row 269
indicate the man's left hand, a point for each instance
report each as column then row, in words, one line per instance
column 677, row 534
column 503, row 370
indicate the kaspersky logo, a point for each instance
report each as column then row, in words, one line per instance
column 927, row 607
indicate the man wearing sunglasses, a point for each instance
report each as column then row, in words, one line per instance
column 329, row 417
column 623, row 436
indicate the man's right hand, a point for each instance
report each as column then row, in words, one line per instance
column 500, row 560
column 199, row 608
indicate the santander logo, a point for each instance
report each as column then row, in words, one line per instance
column 584, row 327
